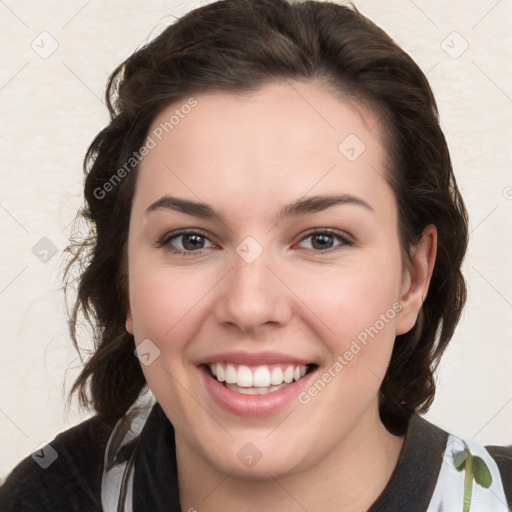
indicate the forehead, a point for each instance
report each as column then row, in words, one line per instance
column 283, row 141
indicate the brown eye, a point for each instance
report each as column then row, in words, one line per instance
column 325, row 240
column 192, row 242
column 322, row 241
column 184, row 242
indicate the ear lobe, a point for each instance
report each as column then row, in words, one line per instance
column 129, row 322
column 417, row 279
column 129, row 317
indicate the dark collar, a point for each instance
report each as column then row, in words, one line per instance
column 155, row 481
column 413, row 481
column 409, row 489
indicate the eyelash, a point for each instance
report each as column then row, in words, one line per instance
column 164, row 242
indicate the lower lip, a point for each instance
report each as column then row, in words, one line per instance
column 253, row 405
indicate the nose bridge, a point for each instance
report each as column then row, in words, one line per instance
column 252, row 295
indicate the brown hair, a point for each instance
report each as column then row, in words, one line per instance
column 237, row 46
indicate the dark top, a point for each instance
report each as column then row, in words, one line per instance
column 72, row 482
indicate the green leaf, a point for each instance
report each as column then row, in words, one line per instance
column 481, row 473
column 459, row 460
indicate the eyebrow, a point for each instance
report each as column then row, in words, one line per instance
column 301, row 207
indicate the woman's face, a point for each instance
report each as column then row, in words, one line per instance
column 291, row 263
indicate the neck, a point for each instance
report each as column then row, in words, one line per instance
column 350, row 478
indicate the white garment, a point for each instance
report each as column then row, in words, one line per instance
column 449, row 492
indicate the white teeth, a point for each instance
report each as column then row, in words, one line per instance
column 254, row 391
column 244, row 375
column 249, row 391
column 221, row 377
column 288, row 374
column 230, row 374
column 276, row 377
column 261, row 379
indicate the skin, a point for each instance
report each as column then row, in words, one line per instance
column 246, row 156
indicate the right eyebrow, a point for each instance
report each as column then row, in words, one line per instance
column 185, row 206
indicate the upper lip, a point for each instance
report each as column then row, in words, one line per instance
column 254, row 358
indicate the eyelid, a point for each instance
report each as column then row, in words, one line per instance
column 344, row 237
column 332, row 231
column 164, row 241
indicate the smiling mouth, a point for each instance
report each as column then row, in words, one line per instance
column 257, row 380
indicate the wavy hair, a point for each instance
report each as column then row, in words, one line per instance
column 238, row 46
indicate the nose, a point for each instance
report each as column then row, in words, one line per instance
column 253, row 296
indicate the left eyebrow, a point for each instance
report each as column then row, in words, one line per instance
column 319, row 203
column 302, row 207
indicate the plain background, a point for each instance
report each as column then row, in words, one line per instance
column 51, row 108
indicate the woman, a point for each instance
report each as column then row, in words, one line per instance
column 273, row 274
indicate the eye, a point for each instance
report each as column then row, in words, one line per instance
column 185, row 242
column 324, row 240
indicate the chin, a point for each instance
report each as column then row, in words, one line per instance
column 256, row 458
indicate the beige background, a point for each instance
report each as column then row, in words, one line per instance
column 51, row 108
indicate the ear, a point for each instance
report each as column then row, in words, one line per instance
column 129, row 321
column 129, row 317
column 416, row 279
column 126, row 286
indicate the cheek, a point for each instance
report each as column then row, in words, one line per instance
column 350, row 300
column 150, row 305
column 164, row 307
column 164, row 303
column 360, row 311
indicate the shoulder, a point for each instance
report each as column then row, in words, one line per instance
column 470, row 472
column 64, row 475
column 502, row 455
column 444, row 471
